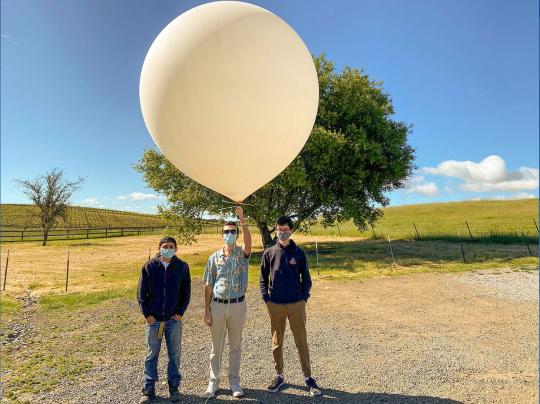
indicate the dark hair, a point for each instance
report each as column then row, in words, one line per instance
column 167, row 240
column 231, row 223
column 285, row 220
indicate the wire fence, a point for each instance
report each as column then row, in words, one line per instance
column 35, row 234
column 508, row 232
column 498, row 232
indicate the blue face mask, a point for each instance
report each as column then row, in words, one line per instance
column 229, row 238
column 167, row 253
column 283, row 235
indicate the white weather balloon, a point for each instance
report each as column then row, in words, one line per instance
column 229, row 93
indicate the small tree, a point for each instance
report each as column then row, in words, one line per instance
column 50, row 193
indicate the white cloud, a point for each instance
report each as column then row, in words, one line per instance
column 91, row 202
column 139, row 209
column 139, row 196
column 418, row 185
column 489, row 175
column 519, row 195
column 9, row 38
column 449, row 190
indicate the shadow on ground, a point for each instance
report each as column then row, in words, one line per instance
column 329, row 395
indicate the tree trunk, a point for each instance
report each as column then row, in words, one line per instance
column 266, row 237
column 45, row 236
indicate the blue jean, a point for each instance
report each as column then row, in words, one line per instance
column 173, row 338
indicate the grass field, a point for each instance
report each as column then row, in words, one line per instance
column 114, row 264
column 489, row 221
column 104, row 273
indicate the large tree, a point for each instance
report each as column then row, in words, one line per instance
column 355, row 154
column 50, row 193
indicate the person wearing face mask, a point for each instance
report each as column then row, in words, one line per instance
column 285, row 285
column 163, row 293
column 226, row 279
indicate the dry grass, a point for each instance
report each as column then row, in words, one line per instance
column 106, row 264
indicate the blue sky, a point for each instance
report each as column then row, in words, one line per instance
column 464, row 73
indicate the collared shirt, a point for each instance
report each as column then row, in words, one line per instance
column 227, row 275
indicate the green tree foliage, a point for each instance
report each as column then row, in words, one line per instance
column 356, row 153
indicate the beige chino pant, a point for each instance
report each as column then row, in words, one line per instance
column 227, row 322
column 296, row 313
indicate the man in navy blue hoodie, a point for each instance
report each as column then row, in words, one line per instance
column 163, row 293
column 285, row 284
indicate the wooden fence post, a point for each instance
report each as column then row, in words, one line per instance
column 67, row 270
column 121, row 232
column 22, row 235
column 461, row 246
column 317, row 257
column 527, row 244
column 416, row 230
column 470, row 234
column 149, row 252
column 5, row 271
column 391, row 251
column 535, row 225
column 106, row 232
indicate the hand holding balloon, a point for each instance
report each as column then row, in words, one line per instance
column 240, row 213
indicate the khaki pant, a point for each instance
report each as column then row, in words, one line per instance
column 296, row 313
column 227, row 322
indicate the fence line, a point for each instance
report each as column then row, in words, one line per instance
column 35, row 234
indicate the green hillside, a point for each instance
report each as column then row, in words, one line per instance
column 485, row 219
column 496, row 221
column 22, row 216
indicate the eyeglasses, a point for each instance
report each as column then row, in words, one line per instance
column 229, row 231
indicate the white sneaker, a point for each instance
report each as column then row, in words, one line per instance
column 210, row 391
column 237, row 391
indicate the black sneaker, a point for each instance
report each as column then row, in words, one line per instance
column 314, row 389
column 147, row 395
column 276, row 384
column 174, row 394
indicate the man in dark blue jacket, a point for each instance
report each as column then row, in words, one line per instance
column 285, row 284
column 163, row 293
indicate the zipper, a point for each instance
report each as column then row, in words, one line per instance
column 164, row 287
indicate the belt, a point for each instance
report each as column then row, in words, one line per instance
column 236, row 300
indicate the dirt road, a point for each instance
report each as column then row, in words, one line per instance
column 425, row 338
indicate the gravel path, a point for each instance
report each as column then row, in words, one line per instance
column 422, row 338
column 521, row 286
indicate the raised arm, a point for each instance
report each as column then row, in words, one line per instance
column 245, row 231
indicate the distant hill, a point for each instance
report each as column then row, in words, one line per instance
column 485, row 218
column 20, row 216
